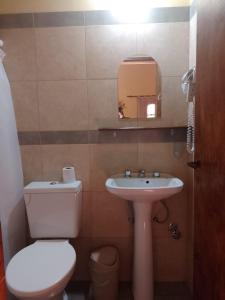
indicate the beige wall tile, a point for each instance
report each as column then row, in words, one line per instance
column 32, row 163
column 87, row 215
column 61, row 53
column 193, row 41
column 106, row 47
column 19, row 45
column 178, row 209
column 26, row 106
column 109, row 159
column 55, row 157
column 109, row 216
column 102, row 100
column 174, row 105
column 63, row 105
column 83, row 248
column 177, row 206
column 159, row 230
column 160, row 156
column 167, row 43
column 170, row 260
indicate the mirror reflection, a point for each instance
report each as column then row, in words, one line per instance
column 139, row 89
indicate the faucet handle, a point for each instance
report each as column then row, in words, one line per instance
column 127, row 173
column 156, row 174
column 141, row 173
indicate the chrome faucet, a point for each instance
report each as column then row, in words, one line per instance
column 127, row 173
column 141, row 173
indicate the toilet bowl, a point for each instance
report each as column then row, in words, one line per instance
column 42, row 270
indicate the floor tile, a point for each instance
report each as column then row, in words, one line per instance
column 163, row 291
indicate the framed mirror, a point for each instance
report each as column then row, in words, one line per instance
column 139, row 89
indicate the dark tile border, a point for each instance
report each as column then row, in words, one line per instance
column 155, row 15
column 109, row 136
column 16, row 21
column 99, row 17
column 64, row 137
column 147, row 135
column 29, row 138
column 169, row 14
column 52, row 19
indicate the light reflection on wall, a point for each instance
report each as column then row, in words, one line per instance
column 15, row 6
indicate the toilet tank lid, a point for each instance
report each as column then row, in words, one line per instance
column 53, row 187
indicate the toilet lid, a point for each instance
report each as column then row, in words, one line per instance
column 40, row 266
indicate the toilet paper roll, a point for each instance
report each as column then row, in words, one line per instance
column 68, row 174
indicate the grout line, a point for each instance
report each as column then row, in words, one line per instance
column 82, row 79
column 38, row 102
column 33, row 20
column 88, row 104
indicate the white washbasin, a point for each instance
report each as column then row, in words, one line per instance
column 144, row 189
column 143, row 192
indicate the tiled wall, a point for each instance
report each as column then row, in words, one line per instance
column 63, row 78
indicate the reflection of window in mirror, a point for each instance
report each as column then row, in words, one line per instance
column 148, row 107
column 138, row 89
column 151, row 111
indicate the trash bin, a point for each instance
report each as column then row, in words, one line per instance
column 104, row 266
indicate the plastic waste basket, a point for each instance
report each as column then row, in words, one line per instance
column 104, row 267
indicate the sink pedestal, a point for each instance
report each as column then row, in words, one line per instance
column 143, row 283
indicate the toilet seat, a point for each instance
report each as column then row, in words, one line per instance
column 40, row 267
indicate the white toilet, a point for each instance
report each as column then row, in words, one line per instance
column 42, row 270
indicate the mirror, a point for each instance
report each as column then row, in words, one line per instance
column 139, row 89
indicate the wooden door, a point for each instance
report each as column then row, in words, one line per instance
column 209, row 253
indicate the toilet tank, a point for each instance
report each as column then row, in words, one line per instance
column 53, row 209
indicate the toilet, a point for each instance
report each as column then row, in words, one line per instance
column 42, row 270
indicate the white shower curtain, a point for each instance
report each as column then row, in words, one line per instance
column 12, row 214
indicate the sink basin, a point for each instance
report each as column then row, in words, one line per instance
column 144, row 189
column 143, row 192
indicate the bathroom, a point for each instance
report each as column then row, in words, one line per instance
column 62, row 59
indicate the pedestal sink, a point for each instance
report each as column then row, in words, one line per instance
column 143, row 192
